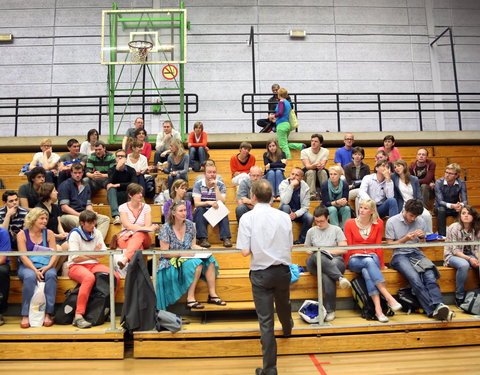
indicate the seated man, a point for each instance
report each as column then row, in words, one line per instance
column 243, row 195
column 119, row 177
column 4, row 274
column 164, row 138
column 355, row 171
column 241, row 163
column 206, row 193
column 12, row 216
column 409, row 228
column 28, row 192
column 450, row 196
column 378, row 186
column 343, row 155
column 66, row 160
column 130, row 133
column 295, row 201
column 46, row 159
column 74, row 197
column 267, row 124
column 314, row 159
column 424, row 169
column 98, row 165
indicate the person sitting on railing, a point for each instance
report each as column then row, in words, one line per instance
column 28, row 192
column 343, row 155
column 424, row 169
column 408, row 228
column 244, row 201
column 88, row 146
column 140, row 134
column 197, row 146
column 33, row 269
column 314, row 159
column 335, row 197
column 461, row 257
column 5, row 245
column 98, row 165
column 178, row 192
column 241, row 163
column 333, row 266
column 136, row 219
column 177, row 275
column 138, row 124
column 390, row 149
column 275, row 163
column 12, row 216
column 367, row 229
column 164, row 138
column 46, row 159
column 450, row 196
column 356, row 171
column 82, row 268
column 267, row 124
column 177, row 163
column 68, row 159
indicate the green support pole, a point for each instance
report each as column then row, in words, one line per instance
column 111, row 75
column 182, row 74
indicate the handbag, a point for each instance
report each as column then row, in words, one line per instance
column 292, row 119
column 167, row 321
column 471, row 303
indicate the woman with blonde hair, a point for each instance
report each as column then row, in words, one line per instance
column 177, row 163
column 33, row 269
column 275, row 162
column 335, row 196
column 367, row 229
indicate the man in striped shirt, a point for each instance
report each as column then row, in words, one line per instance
column 12, row 216
column 98, row 165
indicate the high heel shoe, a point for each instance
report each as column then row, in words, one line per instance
column 396, row 306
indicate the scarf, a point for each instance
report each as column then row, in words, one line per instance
column 335, row 194
column 85, row 236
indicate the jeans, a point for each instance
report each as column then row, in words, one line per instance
column 462, row 266
column 197, row 153
column 4, row 286
column 275, row 176
column 388, row 208
column 116, row 198
column 306, row 219
column 369, row 267
column 171, row 179
column 97, row 184
column 201, row 224
column 344, row 212
column 240, row 210
column 426, row 192
column 29, row 280
column 159, row 158
column 424, row 285
column 442, row 213
column 332, row 270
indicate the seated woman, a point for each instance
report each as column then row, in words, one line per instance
column 466, row 228
column 87, row 147
column 177, row 163
column 136, row 219
column 177, row 193
column 82, row 268
column 138, row 161
column 46, row 159
column 241, row 163
column 140, row 134
column 355, row 171
column 335, row 196
column 39, row 267
column 407, row 187
column 333, row 267
column 367, row 229
column 176, row 275
column 197, row 146
column 390, row 149
column 275, row 162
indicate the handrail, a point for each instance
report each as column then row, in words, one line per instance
column 369, row 102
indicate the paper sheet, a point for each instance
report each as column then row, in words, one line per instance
column 214, row 216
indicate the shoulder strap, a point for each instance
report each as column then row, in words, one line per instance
column 44, row 238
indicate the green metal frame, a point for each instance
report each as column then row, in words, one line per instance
column 116, row 20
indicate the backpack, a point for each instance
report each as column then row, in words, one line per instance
column 364, row 302
column 66, row 312
column 292, row 119
column 409, row 301
column 471, row 303
column 167, row 321
column 98, row 306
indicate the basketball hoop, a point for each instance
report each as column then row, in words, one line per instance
column 139, row 50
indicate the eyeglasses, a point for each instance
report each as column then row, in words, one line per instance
column 348, row 139
column 451, row 173
column 178, row 203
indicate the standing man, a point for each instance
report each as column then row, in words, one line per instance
column 343, row 155
column 266, row 234
column 450, row 196
column 424, row 169
column 244, row 199
column 139, row 123
column 68, row 159
column 98, row 165
column 314, row 159
column 268, row 125
column 12, row 216
column 295, row 201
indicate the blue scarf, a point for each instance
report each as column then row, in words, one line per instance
column 335, row 194
column 85, row 236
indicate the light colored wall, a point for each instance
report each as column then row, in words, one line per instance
column 352, row 46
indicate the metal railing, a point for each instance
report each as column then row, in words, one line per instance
column 60, row 107
column 377, row 103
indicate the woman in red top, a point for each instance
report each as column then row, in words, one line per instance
column 197, row 146
column 367, row 229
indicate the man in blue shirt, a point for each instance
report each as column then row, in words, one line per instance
column 343, row 155
column 4, row 273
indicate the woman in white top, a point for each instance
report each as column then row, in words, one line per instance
column 46, row 159
column 136, row 218
column 407, row 187
column 138, row 161
column 88, row 146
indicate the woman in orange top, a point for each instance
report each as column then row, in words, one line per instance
column 197, row 146
column 241, row 163
column 367, row 229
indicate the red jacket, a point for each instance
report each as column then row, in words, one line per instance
column 430, row 169
column 354, row 237
column 193, row 142
column 236, row 166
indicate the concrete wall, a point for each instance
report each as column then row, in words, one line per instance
column 352, row 46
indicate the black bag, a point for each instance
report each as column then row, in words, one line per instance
column 409, row 301
column 364, row 302
column 66, row 312
column 98, row 306
column 471, row 303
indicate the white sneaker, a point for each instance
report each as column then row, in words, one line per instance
column 441, row 312
column 344, row 283
column 330, row 316
column 116, row 220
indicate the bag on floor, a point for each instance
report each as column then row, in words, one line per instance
column 66, row 312
column 471, row 303
column 36, row 313
column 167, row 321
column 98, row 306
column 363, row 301
column 409, row 301
column 309, row 311
column 292, row 119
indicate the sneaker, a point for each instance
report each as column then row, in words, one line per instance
column 450, row 316
column 116, row 220
column 202, row 242
column 330, row 316
column 382, row 318
column 2, row 320
column 344, row 283
column 81, row 323
column 441, row 312
column 227, row 242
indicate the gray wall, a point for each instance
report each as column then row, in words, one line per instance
column 352, row 46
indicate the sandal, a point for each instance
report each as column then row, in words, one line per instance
column 194, row 305
column 216, row 301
